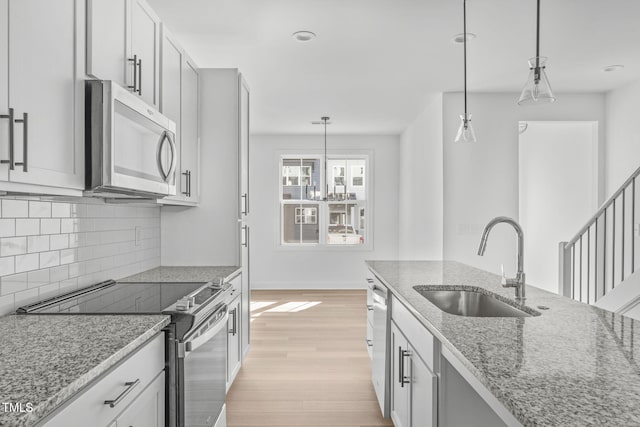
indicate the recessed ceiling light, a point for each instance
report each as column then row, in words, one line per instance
column 303, row 36
column 613, row 68
column 459, row 38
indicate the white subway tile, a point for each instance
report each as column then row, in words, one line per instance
column 74, row 240
column 49, row 290
column 26, row 297
column 37, row 244
column 74, row 269
column 68, row 256
column 59, row 241
column 49, row 259
column 38, row 278
column 50, row 226
column 15, row 208
column 68, row 285
column 13, row 246
column 27, row 227
column 59, row 273
column 7, row 227
column 39, row 209
column 68, row 225
column 7, row 304
column 27, row 262
column 7, row 266
column 12, row 284
column 61, row 210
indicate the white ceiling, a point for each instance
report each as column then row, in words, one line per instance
column 374, row 61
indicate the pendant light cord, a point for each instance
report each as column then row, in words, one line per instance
column 538, row 35
column 464, row 37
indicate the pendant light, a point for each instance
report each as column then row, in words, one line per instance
column 465, row 131
column 324, row 121
column 537, row 89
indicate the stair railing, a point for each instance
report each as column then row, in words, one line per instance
column 603, row 253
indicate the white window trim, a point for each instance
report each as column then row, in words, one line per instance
column 322, row 245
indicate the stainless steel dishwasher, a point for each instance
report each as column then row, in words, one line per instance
column 379, row 366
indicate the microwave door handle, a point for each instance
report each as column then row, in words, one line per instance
column 164, row 175
column 174, row 157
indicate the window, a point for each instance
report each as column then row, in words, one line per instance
column 333, row 217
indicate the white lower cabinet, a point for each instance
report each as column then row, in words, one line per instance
column 414, row 358
column 234, row 341
column 130, row 394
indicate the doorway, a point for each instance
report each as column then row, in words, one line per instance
column 558, row 184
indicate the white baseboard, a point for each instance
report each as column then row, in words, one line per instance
column 267, row 285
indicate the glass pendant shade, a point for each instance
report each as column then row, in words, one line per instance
column 465, row 131
column 537, row 90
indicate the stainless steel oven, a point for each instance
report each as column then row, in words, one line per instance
column 202, row 369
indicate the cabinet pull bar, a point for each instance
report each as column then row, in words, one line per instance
column 186, row 183
column 10, row 117
column 134, row 88
column 25, row 141
column 130, row 385
column 140, row 77
column 189, row 182
column 245, row 209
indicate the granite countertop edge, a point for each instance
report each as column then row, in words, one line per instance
column 43, row 409
column 181, row 273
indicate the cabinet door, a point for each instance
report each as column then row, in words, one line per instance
column 422, row 402
column 190, row 123
column 147, row 410
column 244, row 147
column 145, row 37
column 45, row 92
column 233, row 341
column 245, row 322
column 171, row 58
column 4, row 93
column 399, row 385
column 107, row 41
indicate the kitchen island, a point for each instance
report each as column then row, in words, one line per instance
column 572, row 365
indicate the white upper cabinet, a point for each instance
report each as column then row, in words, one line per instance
column 179, row 101
column 190, row 130
column 123, row 45
column 41, row 129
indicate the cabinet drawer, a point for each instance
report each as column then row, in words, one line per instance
column 88, row 408
column 416, row 333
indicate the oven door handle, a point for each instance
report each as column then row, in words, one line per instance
column 210, row 332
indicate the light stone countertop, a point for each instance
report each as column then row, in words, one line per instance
column 574, row 365
column 46, row 359
column 183, row 274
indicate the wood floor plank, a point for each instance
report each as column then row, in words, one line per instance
column 308, row 365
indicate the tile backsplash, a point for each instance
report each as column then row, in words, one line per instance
column 50, row 247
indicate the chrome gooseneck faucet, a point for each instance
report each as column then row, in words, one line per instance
column 518, row 281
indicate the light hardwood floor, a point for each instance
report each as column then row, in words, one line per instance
column 308, row 364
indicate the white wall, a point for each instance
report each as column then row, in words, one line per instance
column 273, row 266
column 420, row 192
column 208, row 234
column 48, row 248
column 623, row 140
column 481, row 179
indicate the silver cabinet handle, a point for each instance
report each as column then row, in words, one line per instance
column 186, row 183
column 369, row 307
column 369, row 343
column 25, row 140
column 245, row 204
column 140, row 77
column 134, row 88
column 402, row 378
column 234, row 328
column 189, row 184
column 245, row 234
column 10, row 117
column 130, row 385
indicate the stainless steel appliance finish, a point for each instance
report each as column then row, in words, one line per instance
column 379, row 366
column 195, row 340
column 130, row 147
column 470, row 303
column 202, row 359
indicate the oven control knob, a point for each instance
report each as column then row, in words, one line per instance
column 182, row 304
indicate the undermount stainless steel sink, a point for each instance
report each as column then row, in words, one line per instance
column 471, row 302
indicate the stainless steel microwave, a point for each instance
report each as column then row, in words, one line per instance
column 130, row 148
